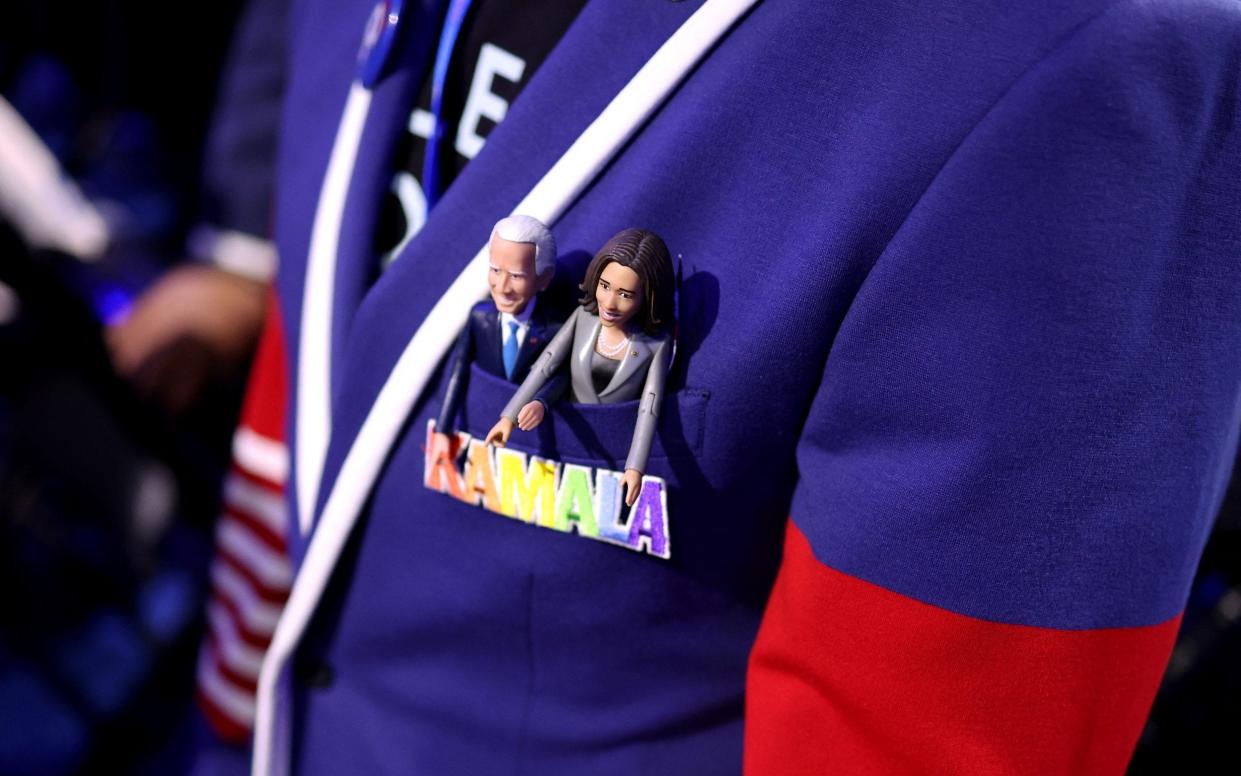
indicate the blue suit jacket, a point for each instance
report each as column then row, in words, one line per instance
column 959, row 314
column 480, row 344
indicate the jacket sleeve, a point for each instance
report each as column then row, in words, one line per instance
column 1023, row 430
column 554, row 389
column 544, row 369
column 459, row 366
column 648, row 407
column 240, row 153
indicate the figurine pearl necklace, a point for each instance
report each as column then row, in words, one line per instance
column 612, row 350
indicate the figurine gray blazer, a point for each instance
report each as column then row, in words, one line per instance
column 641, row 374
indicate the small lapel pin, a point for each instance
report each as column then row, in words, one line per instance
column 377, row 40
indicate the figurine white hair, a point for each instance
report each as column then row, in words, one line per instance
column 530, row 230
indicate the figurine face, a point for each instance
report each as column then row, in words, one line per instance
column 511, row 276
column 619, row 295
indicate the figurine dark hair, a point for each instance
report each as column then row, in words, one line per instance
column 643, row 252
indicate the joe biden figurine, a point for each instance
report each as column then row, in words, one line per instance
column 506, row 335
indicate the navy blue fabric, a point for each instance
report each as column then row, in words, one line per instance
column 323, row 40
column 1030, row 412
column 960, row 293
column 214, row 757
column 240, row 156
column 43, row 734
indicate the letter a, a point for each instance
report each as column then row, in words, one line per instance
column 648, row 520
column 480, row 477
column 443, row 476
column 526, row 493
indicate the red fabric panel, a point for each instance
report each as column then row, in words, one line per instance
column 847, row 677
column 263, row 409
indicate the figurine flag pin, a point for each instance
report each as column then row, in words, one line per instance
column 378, row 39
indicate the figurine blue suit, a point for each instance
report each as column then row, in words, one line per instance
column 480, row 343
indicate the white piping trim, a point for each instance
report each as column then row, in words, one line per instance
column 579, row 165
column 314, row 368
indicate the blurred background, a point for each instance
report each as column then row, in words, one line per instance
column 115, row 423
column 124, row 347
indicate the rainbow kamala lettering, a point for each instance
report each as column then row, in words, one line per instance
column 561, row 496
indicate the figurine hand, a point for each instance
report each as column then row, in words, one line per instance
column 530, row 415
column 499, row 433
column 440, row 447
column 632, row 482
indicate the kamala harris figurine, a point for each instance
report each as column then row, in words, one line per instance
column 617, row 345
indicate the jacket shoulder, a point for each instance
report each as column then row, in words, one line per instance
column 483, row 315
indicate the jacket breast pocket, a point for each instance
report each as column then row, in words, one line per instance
column 567, row 473
column 597, row 435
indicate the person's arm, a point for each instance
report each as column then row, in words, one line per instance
column 1023, row 430
column 201, row 319
column 197, row 323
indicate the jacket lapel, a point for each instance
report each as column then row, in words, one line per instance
column 536, row 336
column 356, row 263
column 586, row 329
column 539, row 127
column 637, row 356
column 485, row 333
column 333, row 265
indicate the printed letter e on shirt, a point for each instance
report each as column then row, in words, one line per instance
column 492, row 61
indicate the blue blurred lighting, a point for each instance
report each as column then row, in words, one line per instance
column 112, row 304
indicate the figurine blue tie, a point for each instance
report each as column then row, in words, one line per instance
column 510, row 350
